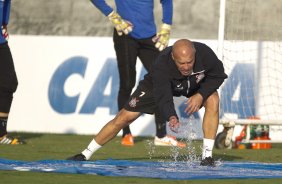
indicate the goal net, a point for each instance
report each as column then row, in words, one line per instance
column 250, row 46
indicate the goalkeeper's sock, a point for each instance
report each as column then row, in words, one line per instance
column 207, row 148
column 125, row 131
column 92, row 147
column 3, row 126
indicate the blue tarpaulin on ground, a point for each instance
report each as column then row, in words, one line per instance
column 147, row 169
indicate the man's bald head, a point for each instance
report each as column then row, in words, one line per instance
column 182, row 49
column 183, row 54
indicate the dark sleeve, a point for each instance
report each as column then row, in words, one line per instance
column 167, row 6
column 214, row 75
column 162, row 89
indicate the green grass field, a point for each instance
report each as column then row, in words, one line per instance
column 56, row 147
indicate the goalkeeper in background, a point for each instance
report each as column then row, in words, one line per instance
column 135, row 35
column 8, row 77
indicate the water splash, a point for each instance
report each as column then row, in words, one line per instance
column 150, row 147
column 185, row 156
column 189, row 132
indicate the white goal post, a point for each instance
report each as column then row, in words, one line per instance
column 250, row 46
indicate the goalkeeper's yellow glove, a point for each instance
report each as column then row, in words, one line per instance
column 122, row 26
column 162, row 37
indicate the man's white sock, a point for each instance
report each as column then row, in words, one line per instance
column 92, row 147
column 207, row 148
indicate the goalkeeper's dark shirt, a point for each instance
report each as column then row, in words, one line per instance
column 166, row 81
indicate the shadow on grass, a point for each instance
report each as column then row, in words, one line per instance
column 25, row 136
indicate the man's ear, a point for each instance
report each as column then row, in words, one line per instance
column 172, row 55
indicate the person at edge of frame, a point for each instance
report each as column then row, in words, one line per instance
column 8, row 77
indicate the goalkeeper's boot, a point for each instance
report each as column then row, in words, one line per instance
column 10, row 140
column 168, row 140
column 208, row 161
column 127, row 140
column 77, row 157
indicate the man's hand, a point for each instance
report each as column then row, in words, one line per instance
column 162, row 37
column 122, row 26
column 174, row 124
column 5, row 32
column 194, row 103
